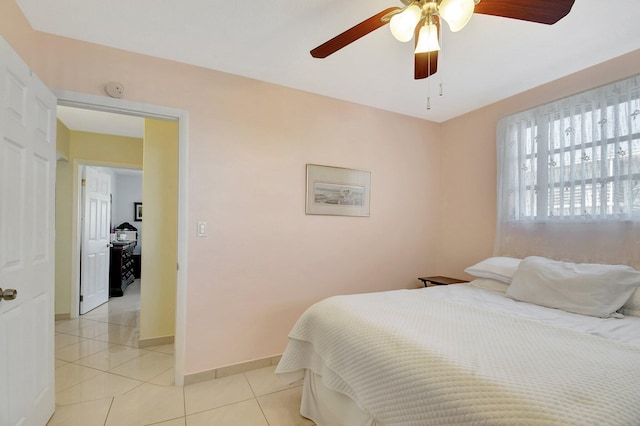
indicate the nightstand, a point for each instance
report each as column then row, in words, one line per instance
column 433, row 281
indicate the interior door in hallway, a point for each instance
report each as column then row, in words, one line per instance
column 27, row 192
column 94, row 286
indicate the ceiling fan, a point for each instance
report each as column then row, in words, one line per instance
column 421, row 20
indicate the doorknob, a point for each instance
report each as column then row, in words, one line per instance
column 8, row 294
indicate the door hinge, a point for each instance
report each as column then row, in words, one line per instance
column 84, row 182
column 81, row 298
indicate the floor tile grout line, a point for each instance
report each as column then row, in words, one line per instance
column 112, row 368
column 158, row 375
column 82, row 381
column 139, row 380
column 278, row 391
column 255, row 397
column 107, row 341
column 66, row 346
column 96, row 353
column 168, row 420
column 106, row 418
column 83, row 402
column 128, row 377
column 106, row 371
column 86, row 339
column 78, row 359
column 133, row 388
column 253, row 392
column 262, row 411
column 215, row 408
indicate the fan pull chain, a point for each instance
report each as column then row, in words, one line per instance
column 428, row 95
column 440, row 57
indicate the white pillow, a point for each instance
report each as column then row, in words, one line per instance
column 582, row 288
column 496, row 268
column 489, row 284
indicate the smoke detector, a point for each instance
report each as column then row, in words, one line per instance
column 114, row 89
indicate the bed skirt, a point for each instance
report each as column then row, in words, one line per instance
column 327, row 407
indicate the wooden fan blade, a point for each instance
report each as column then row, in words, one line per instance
column 352, row 34
column 542, row 11
column 425, row 64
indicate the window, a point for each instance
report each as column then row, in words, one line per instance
column 573, row 160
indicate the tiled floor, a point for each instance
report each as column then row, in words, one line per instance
column 103, row 378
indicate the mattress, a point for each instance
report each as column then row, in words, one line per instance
column 463, row 355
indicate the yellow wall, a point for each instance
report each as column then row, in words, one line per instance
column 159, row 230
column 63, row 138
column 119, row 151
column 89, row 148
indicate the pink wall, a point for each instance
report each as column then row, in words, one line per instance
column 264, row 261
column 468, row 205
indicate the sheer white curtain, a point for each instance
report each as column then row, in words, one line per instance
column 569, row 178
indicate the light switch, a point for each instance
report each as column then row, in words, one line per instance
column 202, row 229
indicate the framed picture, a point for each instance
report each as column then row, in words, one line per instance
column 137, row 212
column 337, row 191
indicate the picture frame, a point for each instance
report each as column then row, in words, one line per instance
column 337, row 191
column 137, row 212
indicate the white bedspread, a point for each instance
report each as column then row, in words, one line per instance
column 414, row 357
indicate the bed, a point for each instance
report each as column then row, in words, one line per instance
column 468, row 354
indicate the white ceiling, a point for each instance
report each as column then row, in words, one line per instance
column 490, row 59
column 101, row 122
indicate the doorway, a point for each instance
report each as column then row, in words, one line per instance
column 90, row 144
column 117, row 230
column 158, row 113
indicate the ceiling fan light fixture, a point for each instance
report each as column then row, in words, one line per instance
column 428, row 39
column 403, row 24
column 456, row 13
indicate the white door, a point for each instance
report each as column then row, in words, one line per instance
column 27, row 192
column 94, row 286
